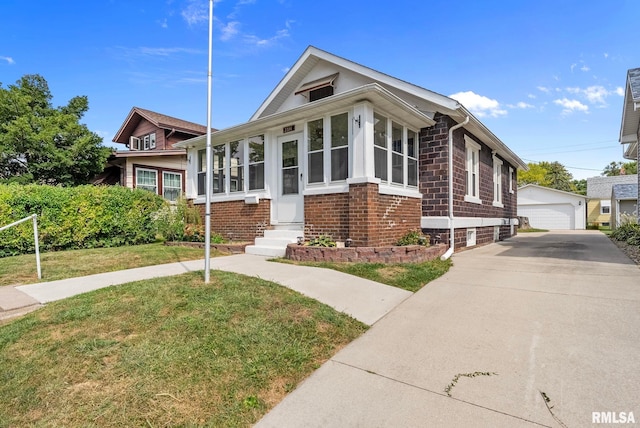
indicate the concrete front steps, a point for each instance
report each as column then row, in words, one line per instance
column 274, row 243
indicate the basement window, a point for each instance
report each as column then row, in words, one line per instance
column 471, row 237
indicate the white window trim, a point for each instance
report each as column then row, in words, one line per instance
column 164, row 186
column 511, row 190
column 605, row 203
column 472, row 146
column 472, row 237
column 497, row 182
column 150, row 170
column 405, row 155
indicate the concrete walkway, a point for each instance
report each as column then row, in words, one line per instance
column 541, row 315
column 364, row 300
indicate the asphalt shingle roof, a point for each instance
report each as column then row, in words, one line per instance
column 600, row 187
column 625, row 191
column 634, row 83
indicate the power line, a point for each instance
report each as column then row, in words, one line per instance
column 568, row 167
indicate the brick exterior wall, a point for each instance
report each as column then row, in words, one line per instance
column 327, row 215
column 407, row 254
column 434, row 179
column 363, row 214
column 238, row 221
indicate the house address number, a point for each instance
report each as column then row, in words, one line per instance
column 289, row 128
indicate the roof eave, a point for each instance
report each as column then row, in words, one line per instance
column 371, row 92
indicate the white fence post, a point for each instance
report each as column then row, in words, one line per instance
column 35, row 237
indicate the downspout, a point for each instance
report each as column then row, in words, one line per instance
column 449, row 252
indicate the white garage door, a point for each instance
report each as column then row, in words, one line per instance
column 552, row 216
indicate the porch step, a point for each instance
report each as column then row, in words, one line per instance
column 274, row 243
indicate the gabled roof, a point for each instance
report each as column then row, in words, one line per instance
column 536, row 186
column 160, row 120
column 631, row 114
column 445, row 105
column 624, row 191
column 600, row 187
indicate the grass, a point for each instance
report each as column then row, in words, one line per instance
column 531, row 230
column 408, row 276
column 165, row 352
column 69, row 264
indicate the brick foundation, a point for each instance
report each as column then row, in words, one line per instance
column 405, row 254
column 238, row 221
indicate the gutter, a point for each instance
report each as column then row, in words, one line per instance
column 449, row 252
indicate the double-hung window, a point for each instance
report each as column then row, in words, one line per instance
column 397, row 158
column 315, row 150
column 219, row 163
column 380, row 146
column 236, row 174
column 147, row 179
column 412, row 158
column 497, row 182
column 256, row 162
column 511, row 190
column 605, row 207
column 472, row 171
column 171, row 185
column 339, row 147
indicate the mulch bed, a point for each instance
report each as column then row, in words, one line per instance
column 633, row 251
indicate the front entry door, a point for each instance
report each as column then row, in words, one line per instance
column 290, row 180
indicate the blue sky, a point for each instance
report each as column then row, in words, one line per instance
column 545, row 76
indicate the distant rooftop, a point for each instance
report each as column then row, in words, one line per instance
column 600, row 187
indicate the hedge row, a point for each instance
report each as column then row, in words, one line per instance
column 76, row 217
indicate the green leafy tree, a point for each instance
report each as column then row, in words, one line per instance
column 579, row 186
column 43, row 144
column 620, row 168
column 547, row 174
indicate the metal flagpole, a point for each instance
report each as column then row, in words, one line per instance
column 207, row 215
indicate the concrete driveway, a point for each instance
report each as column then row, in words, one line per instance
column 548, row 322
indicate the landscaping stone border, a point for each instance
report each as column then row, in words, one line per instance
column 392, row 254
column 234, row 248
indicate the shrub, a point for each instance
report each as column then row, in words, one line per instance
column 628, row 232
column 322, row 241
column 413, row 237
column 77, row 217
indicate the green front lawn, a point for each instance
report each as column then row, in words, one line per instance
column 69, row 264
column 165, row 352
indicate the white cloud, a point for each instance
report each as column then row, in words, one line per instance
column 606, row 55
column 166, row 51
column 195, row 12
column 544, row 89
column 257, row 41
column 163, row 23
column 230, row 30
column 479, row 105
column 574, row 65
column 569, row 106
column 522, row 104
column 532, row 96
column 595, row 94
column 8, row 59
column 585, row 68
column 620, row 91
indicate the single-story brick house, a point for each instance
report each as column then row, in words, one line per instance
column 343, row 150
column 630, row 127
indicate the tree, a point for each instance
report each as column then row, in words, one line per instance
column 547, row 174
column 42, row 144
column 579, row 186
column 620, row 168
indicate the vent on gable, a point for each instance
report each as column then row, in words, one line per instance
column 318, row 89
column 134, row 143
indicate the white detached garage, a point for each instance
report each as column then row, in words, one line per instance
column 552, row 209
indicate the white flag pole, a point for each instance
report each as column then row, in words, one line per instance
column 207, row 215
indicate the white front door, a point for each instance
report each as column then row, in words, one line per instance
column 290, row 205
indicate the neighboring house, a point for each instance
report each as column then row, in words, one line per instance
column 624, row 201
column 151, row 161
column 549, row 208
column 343, row 150
column 630, row 127
column 599, row 197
